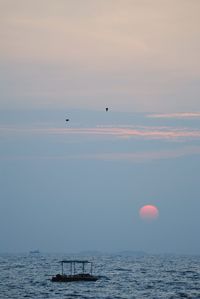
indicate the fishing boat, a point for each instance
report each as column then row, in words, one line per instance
column 74, row 275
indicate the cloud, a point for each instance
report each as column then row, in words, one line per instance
column 184, row 115
column 144, row 132
column 148, row 133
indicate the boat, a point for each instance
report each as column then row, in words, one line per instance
column 36, row 251
column 74, row 276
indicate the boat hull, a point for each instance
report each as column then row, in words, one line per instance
column 70, row 278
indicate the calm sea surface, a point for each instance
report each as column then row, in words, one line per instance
column 28, row 276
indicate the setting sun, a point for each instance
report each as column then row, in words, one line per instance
column 149, row 212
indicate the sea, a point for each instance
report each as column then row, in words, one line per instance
column 122, row 276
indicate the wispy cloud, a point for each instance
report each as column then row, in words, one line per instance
column 176, row 115
column 160, row 133
column 144, row 132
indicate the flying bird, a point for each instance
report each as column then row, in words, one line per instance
column 67, row 119
column 106, row 109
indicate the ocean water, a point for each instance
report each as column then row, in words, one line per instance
column 148, row 276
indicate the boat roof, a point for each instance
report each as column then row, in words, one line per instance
column 75, row 261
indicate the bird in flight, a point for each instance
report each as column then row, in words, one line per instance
column 106, row 109
column 67, row 119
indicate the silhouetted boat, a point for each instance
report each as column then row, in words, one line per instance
column 73, row 276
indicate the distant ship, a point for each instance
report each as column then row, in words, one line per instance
column 36, row 251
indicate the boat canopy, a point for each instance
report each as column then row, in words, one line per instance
column 75, row 261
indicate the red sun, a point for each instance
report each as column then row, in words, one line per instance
column 149, row 212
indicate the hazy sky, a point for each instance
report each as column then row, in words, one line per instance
column 141, row 55
column 80, row 185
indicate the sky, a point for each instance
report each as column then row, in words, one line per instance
column 75, row 186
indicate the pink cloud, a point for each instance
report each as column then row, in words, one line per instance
column 143, row 132
column 176, row 115
column 160, row 133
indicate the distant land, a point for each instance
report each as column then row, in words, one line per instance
column 117, row 253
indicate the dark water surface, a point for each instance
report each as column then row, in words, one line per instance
column 28, row 276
